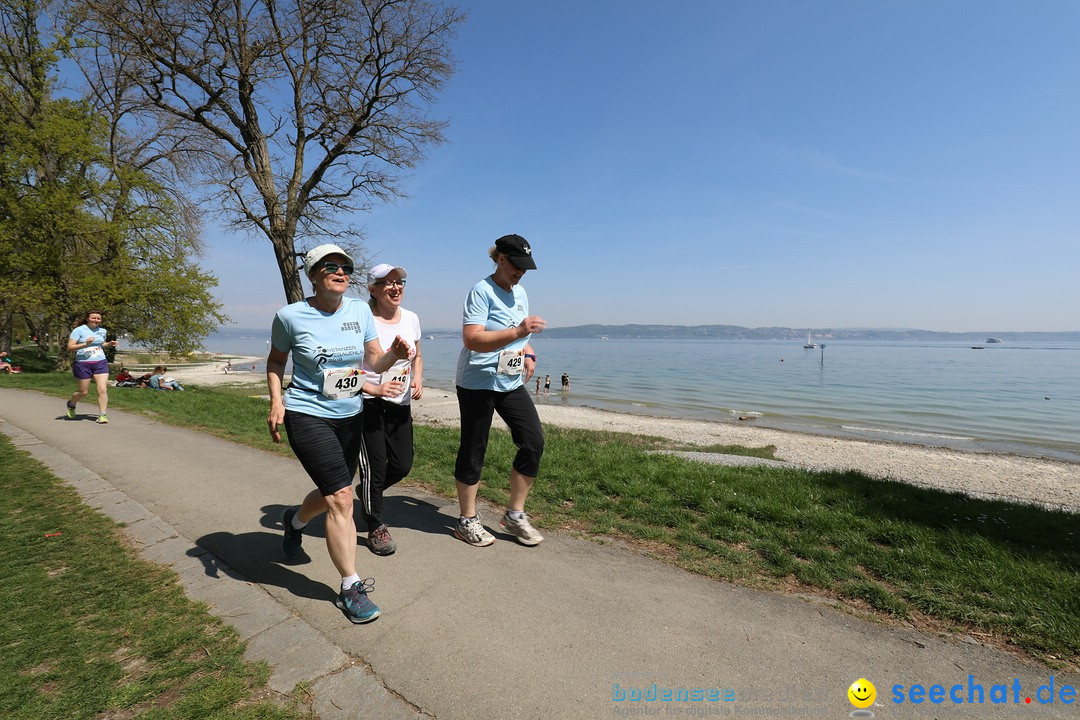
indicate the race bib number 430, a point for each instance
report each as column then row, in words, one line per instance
column 342, row 382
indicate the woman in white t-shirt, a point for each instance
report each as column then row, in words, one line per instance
column 388, row 430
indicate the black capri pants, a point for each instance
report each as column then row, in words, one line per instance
column 388, row 439
column 516, row 408
column 330, row 449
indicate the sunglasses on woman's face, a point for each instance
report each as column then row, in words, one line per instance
column 333, row 267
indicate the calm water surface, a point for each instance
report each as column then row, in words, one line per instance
column 1015, row 398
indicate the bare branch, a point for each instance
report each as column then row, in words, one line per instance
column 296, row 112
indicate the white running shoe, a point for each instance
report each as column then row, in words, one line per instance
column 521, row 529
column 472, row 531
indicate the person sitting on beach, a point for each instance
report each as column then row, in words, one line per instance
column 6, row 366
column 125, row 378
column 160, row 381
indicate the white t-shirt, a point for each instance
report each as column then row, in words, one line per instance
column 408, row 327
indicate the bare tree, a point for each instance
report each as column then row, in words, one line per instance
column 294, row 112
column 155, row 147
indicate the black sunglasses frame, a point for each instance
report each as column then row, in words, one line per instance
column 332, row 267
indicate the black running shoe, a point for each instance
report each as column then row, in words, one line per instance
column 291, row 541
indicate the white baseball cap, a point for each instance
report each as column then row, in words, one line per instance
column 382, row 270
column 311, row 260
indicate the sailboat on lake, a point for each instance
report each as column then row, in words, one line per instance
column 809, row 345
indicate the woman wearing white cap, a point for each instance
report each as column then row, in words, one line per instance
column 388, row 430
column 492, row 370
column 328, row 336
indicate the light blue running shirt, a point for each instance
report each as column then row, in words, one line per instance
column 489, row 305
column 91, row 353
column 320, row 342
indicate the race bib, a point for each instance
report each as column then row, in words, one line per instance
column 342, row 382
column 94, row 353
column 400, row 375
column 511, row 362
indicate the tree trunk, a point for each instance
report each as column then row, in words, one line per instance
column 38, row 334
column 284, row 251
column 7, row 321
column 63, row 355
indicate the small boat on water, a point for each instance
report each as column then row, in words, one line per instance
column 808, row 344
column 976, row 347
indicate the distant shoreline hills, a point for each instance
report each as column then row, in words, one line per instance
column 738, row 332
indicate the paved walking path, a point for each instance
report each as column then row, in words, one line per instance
column 562, row 630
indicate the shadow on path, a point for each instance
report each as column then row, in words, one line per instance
column 400, row 511
column 257, row 557
column 407, row 512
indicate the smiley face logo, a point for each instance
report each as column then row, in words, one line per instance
column 862, row 693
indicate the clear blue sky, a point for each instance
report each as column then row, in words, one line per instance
column 794, row 163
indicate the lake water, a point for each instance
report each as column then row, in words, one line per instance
column 1019, row 398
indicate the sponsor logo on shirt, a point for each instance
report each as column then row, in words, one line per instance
column 323, row 354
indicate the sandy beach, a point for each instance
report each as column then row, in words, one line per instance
column 1009, row 477
column 213, row 372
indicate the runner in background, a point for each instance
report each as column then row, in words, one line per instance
column 88, row 343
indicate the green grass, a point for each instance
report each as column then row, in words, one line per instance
column 942, row 560
column 26, row 357
column 87, row 630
